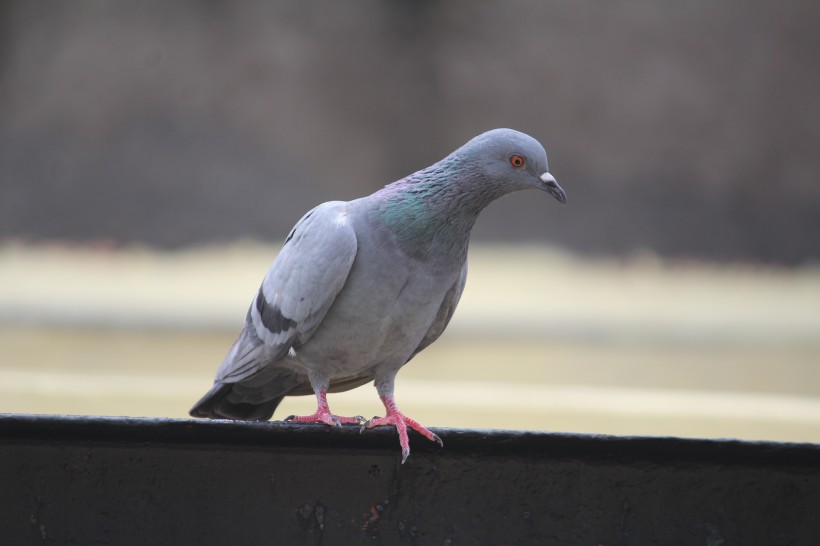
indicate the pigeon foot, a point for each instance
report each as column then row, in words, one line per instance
column 323, row 415
column 397, row 419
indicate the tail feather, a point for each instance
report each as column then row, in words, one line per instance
column 215, row 405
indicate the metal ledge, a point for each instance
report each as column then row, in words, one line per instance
column 96, row 480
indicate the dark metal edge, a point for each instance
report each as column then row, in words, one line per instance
column 458, row 442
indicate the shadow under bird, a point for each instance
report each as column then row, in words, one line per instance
column 360, row 287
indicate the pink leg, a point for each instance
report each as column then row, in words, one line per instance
column 323, row 415
column 401, row 422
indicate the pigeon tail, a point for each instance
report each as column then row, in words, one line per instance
column 215, row 405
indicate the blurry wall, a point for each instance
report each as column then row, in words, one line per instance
column 691, row 129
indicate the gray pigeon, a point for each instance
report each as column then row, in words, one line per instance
column 360, row 287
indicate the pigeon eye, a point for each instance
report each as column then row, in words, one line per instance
column 517, row 161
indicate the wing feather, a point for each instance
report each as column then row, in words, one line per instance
column 297, row 292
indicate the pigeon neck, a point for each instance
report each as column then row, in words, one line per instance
column 436, row 207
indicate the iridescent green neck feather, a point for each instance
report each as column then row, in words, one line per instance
column 435, row 208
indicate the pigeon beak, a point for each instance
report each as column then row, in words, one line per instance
column 551, row 186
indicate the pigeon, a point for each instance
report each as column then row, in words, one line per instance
column 360, row 287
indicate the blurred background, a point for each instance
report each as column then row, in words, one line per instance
column 153, row 155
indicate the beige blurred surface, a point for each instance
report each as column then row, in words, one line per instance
column 543, row 340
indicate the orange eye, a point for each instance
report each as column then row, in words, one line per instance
column 517, row 161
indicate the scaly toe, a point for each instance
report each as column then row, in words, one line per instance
column 321, row 417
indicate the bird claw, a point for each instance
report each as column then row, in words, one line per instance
column 402, row 423
column 365, row 423
column 324, row 417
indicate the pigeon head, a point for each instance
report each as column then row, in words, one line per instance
column 511, row 160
